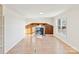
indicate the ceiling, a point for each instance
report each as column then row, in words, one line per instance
column 33, row 10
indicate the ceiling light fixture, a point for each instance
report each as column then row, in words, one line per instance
column 41, row 13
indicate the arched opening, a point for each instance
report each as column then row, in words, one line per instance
column 38, row 28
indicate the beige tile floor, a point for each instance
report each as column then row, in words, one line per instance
column 45, row 45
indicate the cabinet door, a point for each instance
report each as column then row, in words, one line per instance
column 48, row 29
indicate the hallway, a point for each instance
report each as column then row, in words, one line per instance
column 45, row 45
column 56, row 23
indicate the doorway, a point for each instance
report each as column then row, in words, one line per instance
column 39, row 28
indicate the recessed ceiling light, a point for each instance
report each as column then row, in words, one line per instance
column 41, row 13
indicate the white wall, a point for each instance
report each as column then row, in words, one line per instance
column 48, row 20
column 72, row 27
column 14, row 29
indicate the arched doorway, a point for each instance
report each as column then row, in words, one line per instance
column 39, row 28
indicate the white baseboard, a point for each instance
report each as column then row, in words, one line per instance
column 6, row 51
column 68, row 44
